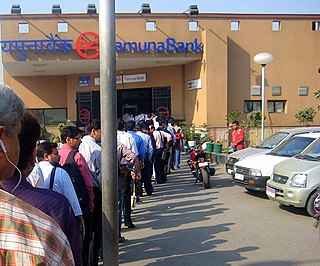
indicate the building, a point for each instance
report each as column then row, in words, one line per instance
column 197, row 67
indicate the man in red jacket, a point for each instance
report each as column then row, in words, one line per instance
column 237, row 136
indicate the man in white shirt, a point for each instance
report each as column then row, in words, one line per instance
column 91, row 151
column 47, row 155
column 161, row 137
column 127, row 140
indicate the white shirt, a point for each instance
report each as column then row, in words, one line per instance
column 159, row 138
column 155, row 122
column 35, row 178
column 91, row 152
column 62, row 184
column 127, row 140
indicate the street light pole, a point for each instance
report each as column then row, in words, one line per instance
column 262, row 99
column 263, row 59
column 108, row 99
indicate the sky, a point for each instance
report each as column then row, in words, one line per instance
column 169, row 6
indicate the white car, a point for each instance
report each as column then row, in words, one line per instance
column 253, row 172
column 265, row 146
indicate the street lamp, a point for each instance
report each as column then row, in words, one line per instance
column 263, row 59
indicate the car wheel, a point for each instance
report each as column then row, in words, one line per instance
column 311, row 203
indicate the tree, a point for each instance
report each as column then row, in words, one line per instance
column 305, row 116
column 233, row 116
column 253, row 119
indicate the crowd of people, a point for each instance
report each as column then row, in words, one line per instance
column 52, row 210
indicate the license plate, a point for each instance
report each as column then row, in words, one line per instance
column 271, row 192
column 229, row 171
column 239, row 176
column 203, row 164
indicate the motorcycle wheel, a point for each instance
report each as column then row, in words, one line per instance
column 206, row 177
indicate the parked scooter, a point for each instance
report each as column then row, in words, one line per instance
column 200, row 166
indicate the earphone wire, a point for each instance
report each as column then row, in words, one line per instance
column 20, row 174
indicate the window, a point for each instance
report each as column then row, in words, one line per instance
column 150, row 25
column 276, row 90
column 303, row 91
column 193, row 26
column 255, row 90
column 276, row 25
column 23, row 28
column 51, row 117
column 292, row 147
column 272, row 140
column 316, row 25
column 276, row 106
column 63, row 27
column 161, row 97
column 250, row 106
column 235, row 25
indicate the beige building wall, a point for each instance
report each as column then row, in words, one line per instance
column 296, row 63
column 40, row 92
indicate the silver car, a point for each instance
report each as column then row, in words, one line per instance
column 294, row 182
column 265, row 146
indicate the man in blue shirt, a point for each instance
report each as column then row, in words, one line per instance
column 146, row 172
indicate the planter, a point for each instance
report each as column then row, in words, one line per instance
column 217, row 147
column 210, row 147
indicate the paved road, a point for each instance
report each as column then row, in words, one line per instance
column 185, row 224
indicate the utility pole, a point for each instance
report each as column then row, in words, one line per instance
column 108, row 104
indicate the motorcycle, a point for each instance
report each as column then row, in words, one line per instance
column 199, row 165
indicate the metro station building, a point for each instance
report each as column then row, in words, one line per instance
column 199, row 68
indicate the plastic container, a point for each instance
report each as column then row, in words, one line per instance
column 191, row 143
column 210, row 147
column 217, row 147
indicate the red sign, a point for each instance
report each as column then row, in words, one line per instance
column 87, row 45
column 164, row 111
column 84, row 116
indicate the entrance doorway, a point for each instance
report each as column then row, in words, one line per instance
column 133, row 101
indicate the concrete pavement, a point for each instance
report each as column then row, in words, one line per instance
column 185, row 224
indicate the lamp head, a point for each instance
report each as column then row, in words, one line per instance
column 263, row 58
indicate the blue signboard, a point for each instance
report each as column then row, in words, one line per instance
column 84, row 81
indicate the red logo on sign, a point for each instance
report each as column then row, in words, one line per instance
column 164, row 111
column 87, row 45
column 84, row 116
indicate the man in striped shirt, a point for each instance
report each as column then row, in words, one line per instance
column 27, row 235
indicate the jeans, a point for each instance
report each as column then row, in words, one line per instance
column 177, row 155
column 159, row 166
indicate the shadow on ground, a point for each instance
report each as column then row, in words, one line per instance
column 181, row 217
column 192, row 246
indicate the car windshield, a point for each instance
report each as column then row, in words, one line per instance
column 273, row 140
column 292, row 147
column 313, row 154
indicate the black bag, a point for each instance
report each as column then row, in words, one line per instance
column 73, row 170
column 165, row 154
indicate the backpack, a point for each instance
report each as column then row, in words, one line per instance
column 74, row 173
